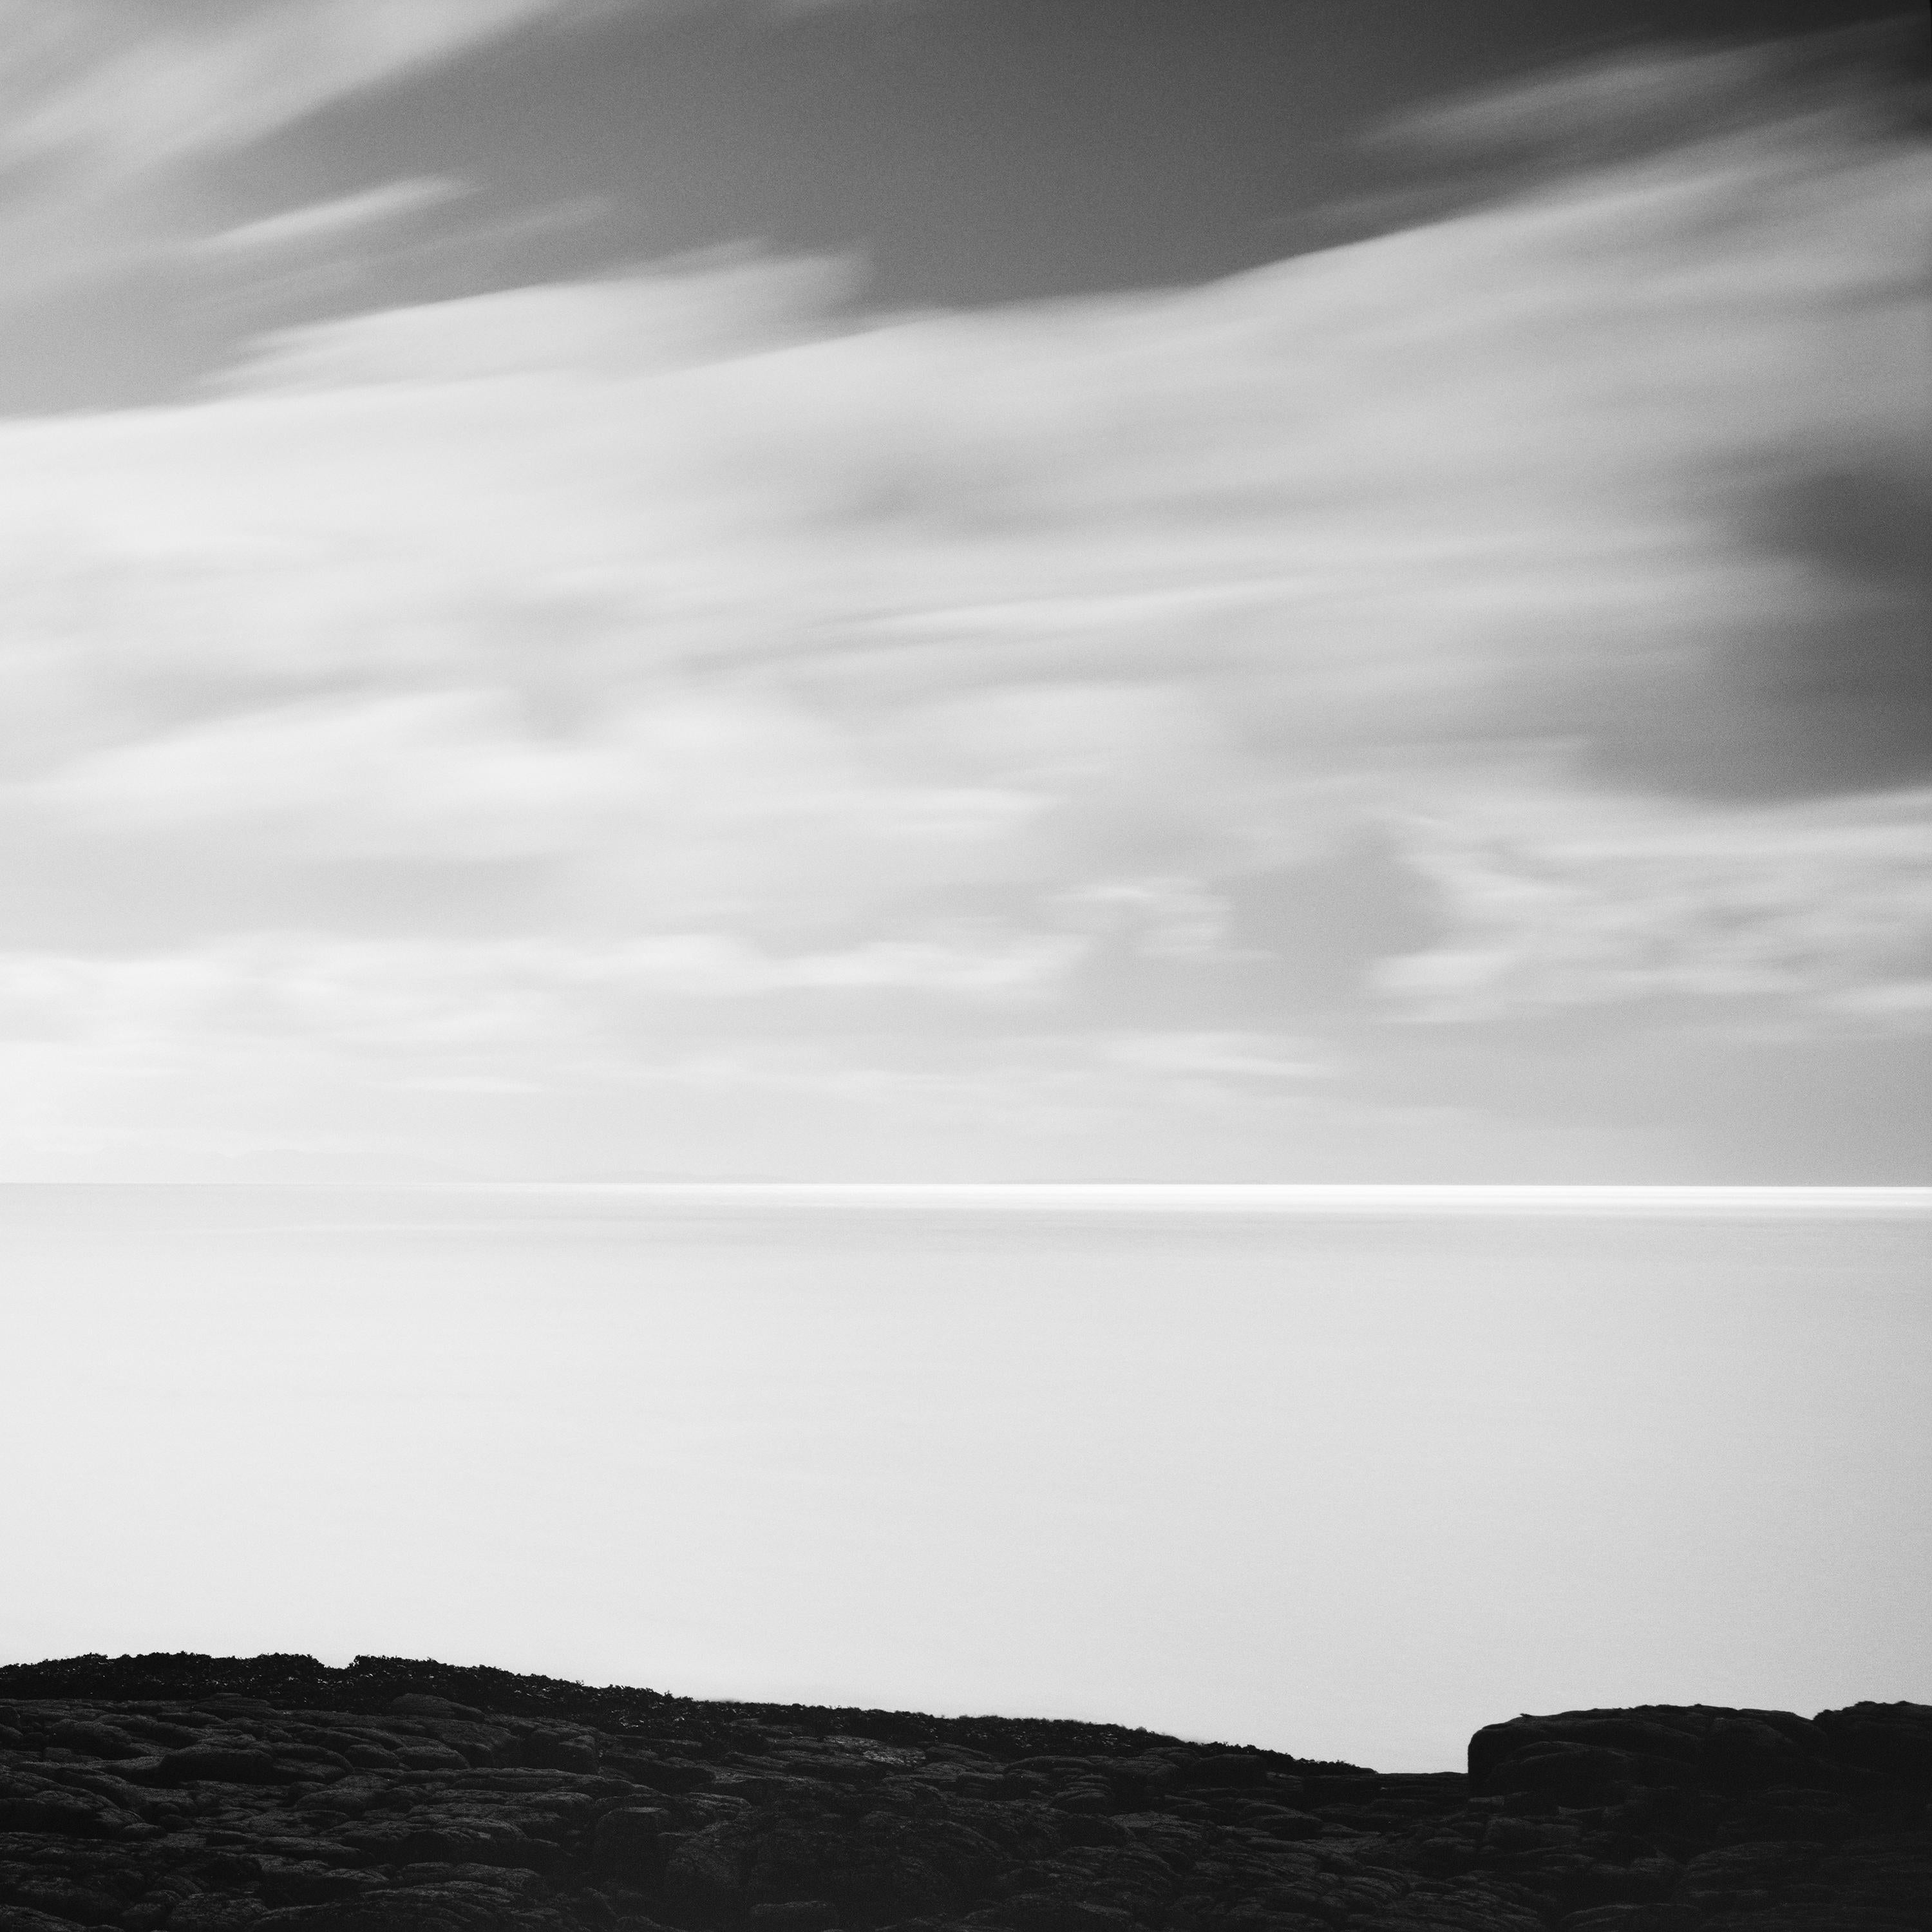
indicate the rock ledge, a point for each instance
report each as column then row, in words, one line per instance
column 272, row 1794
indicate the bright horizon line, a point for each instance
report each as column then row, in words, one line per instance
column 1267, row 1196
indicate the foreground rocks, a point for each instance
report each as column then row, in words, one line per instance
column 213, row 1795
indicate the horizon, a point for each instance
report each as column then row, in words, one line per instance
column 1421, row 1196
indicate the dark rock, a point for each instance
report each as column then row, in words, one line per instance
column 1635, row 1919
column 1792, row 1814
column 1227, row 1768
column 1743, row 1753
column 560, row 1750
column 1277, row 1821
column 65, row 1898
column 1092, row 1796
column 1571, row 1774
column 37, row 1805
column 795, row 1914
column 414, row 1704
column 105, row 1741
column 670, row 1775
column 310, row 1760
column 478, row 1836
column 1894, row 1740
column 1038, row 1913
column 214, row 1911
column 224, row 1764
column 1740, row 1879
column 629, row 1844
column 704, row 1877
column 193, row 1794
column 512, row 1879
column 453, row 1907
column 1351, row 1787
column 305, row 1882
column 1088, row 1828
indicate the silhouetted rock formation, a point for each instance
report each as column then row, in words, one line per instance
column 213, row 1795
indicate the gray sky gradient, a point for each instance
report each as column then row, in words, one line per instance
column 515, row 670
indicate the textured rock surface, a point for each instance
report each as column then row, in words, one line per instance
column 213, row 1795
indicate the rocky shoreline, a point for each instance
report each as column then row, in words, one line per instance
column 274, row 1794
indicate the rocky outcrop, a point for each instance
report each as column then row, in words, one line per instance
column 273, row 1794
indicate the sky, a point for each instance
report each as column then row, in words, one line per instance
column 945, row 589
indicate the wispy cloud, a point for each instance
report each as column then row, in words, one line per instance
column 604, row 330
column 908, row 708
column 327, row 221
column 120, row 89
column 1823, row 911
column 115, row 123
column 419, row 996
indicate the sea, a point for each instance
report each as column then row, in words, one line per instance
column 1346, row 1472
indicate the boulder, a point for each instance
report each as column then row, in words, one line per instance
column 629, row 1844
column 95, row 1740
column 226, row 1764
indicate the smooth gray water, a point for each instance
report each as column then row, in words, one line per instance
column 1348, row 1479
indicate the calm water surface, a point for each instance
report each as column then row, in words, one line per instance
column 1347, row 1476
